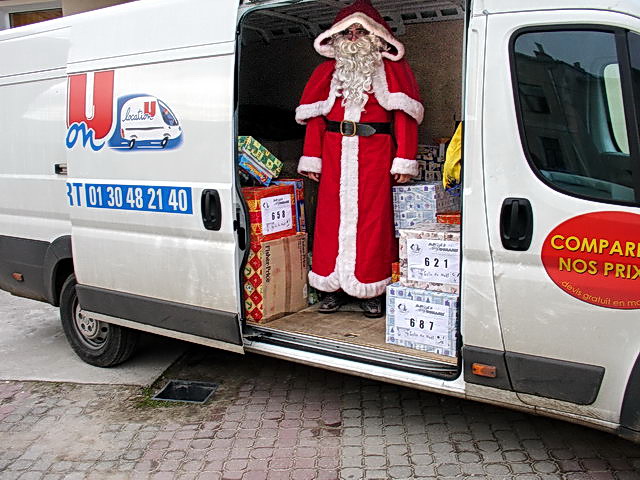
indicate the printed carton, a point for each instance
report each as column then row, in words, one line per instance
column 276, row 278
column 421, row 202
column 430, row 257
column 422, row 319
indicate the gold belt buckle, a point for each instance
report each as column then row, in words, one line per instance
column 355, row 128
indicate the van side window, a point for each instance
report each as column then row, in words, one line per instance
column 569, row 95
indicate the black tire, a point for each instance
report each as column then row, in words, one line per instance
column 164, row 142
column 97, row 343
column 132, row 143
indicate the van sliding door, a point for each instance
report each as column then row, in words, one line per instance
column 150, row 141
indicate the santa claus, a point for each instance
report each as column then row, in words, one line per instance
column 362, row 109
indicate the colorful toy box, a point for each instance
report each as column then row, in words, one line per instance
column 430, row 257
column 421, row 202
column 272, row 211
column 250, row 166
column 422, row 320
column 254, row 149
column 298, row 190
column 276, row 278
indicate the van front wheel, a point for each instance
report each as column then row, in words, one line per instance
column 164, row 142
column 95, row 342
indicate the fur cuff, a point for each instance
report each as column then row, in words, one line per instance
column 324, row 284
column 405, row 166
column 364, row 290
column 310, row 164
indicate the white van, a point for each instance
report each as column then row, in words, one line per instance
column 148, row 119
column 155, row 240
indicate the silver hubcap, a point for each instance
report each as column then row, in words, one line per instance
column 93, row 333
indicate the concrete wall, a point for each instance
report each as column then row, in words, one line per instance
column 275, row 74
column 69, row 7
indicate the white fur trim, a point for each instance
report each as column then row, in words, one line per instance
column 397, row 100
column 324, row 284
column 367, row 22
column 310, row 164
column 344, row 275
column 321, row 108
column 404, row 166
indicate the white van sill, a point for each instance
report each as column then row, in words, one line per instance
column 345, row 351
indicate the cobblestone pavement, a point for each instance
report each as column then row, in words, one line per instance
column 271, row 419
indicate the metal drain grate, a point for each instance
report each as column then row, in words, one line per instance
column 185, row 391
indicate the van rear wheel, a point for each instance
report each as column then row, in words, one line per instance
column 132, row 143
column 95, row 342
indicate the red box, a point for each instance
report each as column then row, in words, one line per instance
column 272, row 212
column 450, row 218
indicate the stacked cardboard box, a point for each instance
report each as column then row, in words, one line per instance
column 422, row 319
column 272, row 211
column 422, row 307
column 298, row 191
column 451, row 218
column 430, row 161
column 276, row 278
column 417, row 203
column 430, row 257
column 276, row 271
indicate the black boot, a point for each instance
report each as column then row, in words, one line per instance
column 373, row 307
column 332, row 302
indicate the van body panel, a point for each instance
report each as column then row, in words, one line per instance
column 479, row 320
column 33, row 211
column 505, row 6
column 557, row 325
column 141, row 204
column 158, row 26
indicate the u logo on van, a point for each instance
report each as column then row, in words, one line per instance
column 142, row 121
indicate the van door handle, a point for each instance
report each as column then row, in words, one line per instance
column 516, row 224
column 60, row 168
column 211, row 210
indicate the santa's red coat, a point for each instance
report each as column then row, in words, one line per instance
column 354, row 242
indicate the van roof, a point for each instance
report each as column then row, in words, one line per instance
column 504, row 6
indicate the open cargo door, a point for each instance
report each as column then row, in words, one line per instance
column 151, row 184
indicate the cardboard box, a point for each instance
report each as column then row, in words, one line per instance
column 430, row 257
column 453, row 218
column 433, row 176
column 422, row 320
column 250, row 166
column 428, row 152
column 276, row 278
column 421, row 202
column 254, row 149
column 298, row 190
column 272, row 211
column 422, row 170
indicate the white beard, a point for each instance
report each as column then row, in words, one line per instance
column 356, row 64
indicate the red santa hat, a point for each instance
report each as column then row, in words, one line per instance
column 364, row 13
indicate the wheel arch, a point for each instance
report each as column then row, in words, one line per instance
column 58, row 265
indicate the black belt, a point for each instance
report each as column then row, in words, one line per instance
column 351, row 129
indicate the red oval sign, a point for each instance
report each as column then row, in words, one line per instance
column 596, row 258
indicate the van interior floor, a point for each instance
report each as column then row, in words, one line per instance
column 349, row 334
